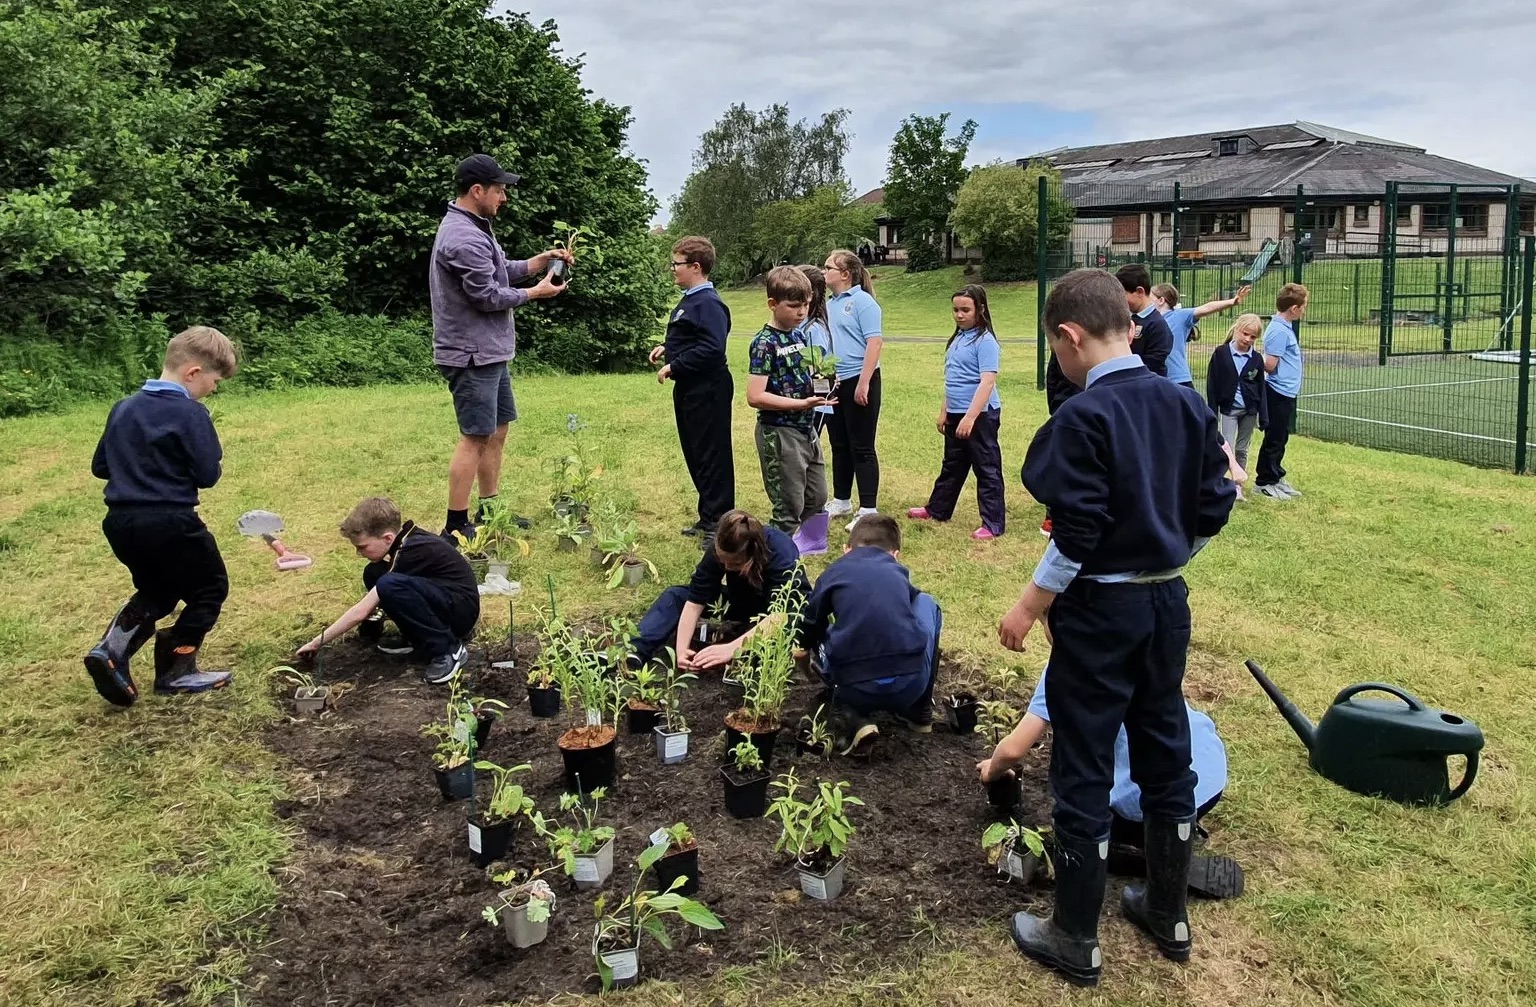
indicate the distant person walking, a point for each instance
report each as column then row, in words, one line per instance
column 854, row 318
column 702, row 387
column 473, row 338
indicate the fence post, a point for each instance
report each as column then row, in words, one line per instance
column 1042, row 219
column 1448, row 324
column 1296, row 273
column 1177, row 223
column 1523, row 401
column 1354, row 290
column 1507, row 254
column 1388, row 279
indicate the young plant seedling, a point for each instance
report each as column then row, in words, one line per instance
column 815, row 732
column 621, row 553
column 1005, row 843
column 816, row 831
column 616, row 938
column 582, row 836
column 508, row 801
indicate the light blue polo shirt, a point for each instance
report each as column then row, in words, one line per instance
column 854, row 318
column 1181, row 322
column 1280, row 341
column 1208, row 758
column 815, row 334
column 968, row 357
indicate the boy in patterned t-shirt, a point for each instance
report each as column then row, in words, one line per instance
column 779, row 388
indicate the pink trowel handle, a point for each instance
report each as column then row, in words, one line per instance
column 286, row 560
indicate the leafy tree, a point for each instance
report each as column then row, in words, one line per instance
column 799, row 229
column 747, row 161
column 998, row 210
column 923, row 175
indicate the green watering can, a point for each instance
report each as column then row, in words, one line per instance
column 1394, row 748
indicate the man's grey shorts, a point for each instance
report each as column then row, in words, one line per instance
column 482, row 397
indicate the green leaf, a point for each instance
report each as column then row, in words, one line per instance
column 697, row 914
column 650, row 855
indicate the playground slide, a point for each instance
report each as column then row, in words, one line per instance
column 1261, row 262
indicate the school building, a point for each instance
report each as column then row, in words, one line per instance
column 1237, row 190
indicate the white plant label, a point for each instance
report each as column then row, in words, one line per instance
column 624, row 964
column 676, row 746
column 474, row 838
column 586, row 869
column 659, row 837
column 594, row 718
column 1015, row 866
column 813, row 886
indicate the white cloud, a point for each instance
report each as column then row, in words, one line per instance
column 1454, row 79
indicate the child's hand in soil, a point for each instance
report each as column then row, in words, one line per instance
column 309, row 649
column 716, row 656
column 989, row 769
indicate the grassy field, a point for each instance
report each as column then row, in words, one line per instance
column 141, row 848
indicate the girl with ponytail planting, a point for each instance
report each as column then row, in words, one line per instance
column 969, row 418
column 854, row 318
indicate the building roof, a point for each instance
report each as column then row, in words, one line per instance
column 1258, row 163
column 872, row 196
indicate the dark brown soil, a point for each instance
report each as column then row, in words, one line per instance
column 382, row 904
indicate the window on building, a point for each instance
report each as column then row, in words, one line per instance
column 1404, row 214
column 1362, row 215
column 1227, row 147
column 1126, row 230
column 1528, row 218
column 1315, row 219
column 1223, row 223
column 1165, row 221
column 1437, row 216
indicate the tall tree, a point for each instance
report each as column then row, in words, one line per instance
column 925, row 171
column 799, row 229
column 748, row 160
column 998, row 210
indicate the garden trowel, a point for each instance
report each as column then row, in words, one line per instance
column 267, row 526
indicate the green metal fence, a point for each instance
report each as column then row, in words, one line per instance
column 1416, row 333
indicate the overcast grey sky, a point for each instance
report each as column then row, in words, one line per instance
column 1038, row 75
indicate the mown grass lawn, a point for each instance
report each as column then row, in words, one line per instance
column 140, row 849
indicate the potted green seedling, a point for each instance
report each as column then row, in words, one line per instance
column 997, row 718
column 616, row 938
column 490, row 834
column 522, row 911
column 672, row 733
column 815, row 832
column 451, row 756
column 573, row 238
column 823, row 371
column 680, row 859
column 575, row 474
column 589, row 750
column 746, row 782
column 570, row 532
column 710, row 629
column 815, row 734
column 765, row 667
column 307, row 696
column 1017, row 851
column 625, row 564
column 960, row 705
column 643, row 696
column 486, row 711
column 583, row 848
column 551, row 668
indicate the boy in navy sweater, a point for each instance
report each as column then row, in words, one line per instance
column 701, row 382
column 159, row 448
column 1133, row 473
column 876, row 635
column 1151, row 339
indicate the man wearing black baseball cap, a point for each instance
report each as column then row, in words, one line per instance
column 473, row 337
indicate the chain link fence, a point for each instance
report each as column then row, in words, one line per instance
column 1416, row 336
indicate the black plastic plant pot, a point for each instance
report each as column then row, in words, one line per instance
column 960, row 711
column 763, row 741
column 678, row 865
column 804, row 747
column 559, row 272
column 544, row 702
column 1005, row 794
column 586, row 769
column 821, row 386
column 483, row 721
column 489, row 842
column 456, row 784
column 642, row 720
column 746, row 795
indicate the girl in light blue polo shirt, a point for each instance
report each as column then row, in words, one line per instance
column 1181, row 322
column 970, row 418
column 815, row 332
column 854, row 320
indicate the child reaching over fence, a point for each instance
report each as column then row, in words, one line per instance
column 970, row 418
column 1182, row 326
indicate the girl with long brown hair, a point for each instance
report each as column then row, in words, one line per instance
column 854, row 320
column 744, row 564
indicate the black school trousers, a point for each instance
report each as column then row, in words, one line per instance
column 1120, row 650
column 852, row 433
column 702, row 408
column 1277, row 434
column 172, row 557
column 979, row 452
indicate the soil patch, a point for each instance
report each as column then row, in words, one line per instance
column 383, row 903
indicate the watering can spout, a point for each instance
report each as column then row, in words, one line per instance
column 1298, row 720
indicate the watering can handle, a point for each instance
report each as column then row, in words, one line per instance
column 1413, row 701
column 1466, row 780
